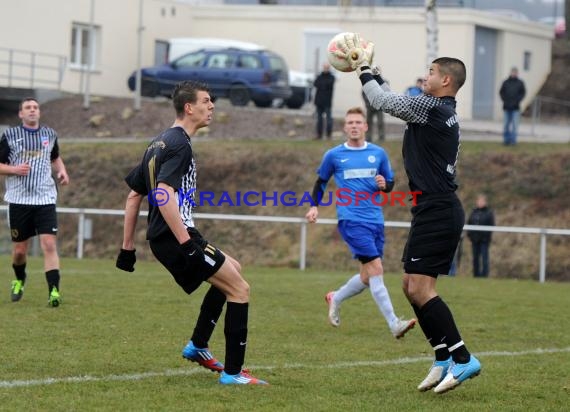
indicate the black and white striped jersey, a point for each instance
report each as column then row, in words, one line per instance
column 168, row 159
column 431, row 139
column 37, row 147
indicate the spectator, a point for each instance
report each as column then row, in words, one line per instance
column 512, row 92
column 372, row 113
column 324, row 83
column 480, row 240
column 416, row 90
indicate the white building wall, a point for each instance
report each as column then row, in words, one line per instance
column 399, row 35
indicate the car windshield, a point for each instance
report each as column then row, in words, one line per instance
column 190, row 60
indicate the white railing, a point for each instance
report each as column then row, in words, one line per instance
column 22, row 68
column 83, row 212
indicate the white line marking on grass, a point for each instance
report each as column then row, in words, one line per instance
column 189, row 372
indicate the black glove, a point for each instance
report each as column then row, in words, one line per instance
column 126, row 260
column 192, row 251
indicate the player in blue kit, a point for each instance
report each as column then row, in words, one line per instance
column 361, row 171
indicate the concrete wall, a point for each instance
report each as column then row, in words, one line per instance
column 399, row 35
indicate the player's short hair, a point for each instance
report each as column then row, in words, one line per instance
column 27, row 99
column 454, row 68
column 186, row 92
column 355, row 110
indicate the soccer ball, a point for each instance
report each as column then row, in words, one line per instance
column 336, row 44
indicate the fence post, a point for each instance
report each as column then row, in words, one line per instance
column 80, row 234
column 534, row 115
column 303, row 250
column 542, row 274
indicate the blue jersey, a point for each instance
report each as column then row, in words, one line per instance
column 354, row 169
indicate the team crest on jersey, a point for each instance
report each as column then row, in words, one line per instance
column 45, row 140
column 371, row 158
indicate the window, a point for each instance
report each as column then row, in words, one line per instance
column 526, row 61
column 220, row 61
column 84, row 48
column 191, row 60
column 249, row 62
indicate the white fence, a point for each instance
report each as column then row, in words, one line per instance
column 83, row 212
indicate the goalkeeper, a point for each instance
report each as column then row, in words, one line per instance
column 430, row 151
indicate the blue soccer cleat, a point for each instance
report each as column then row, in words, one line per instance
column 435, row 375
column 242, row 378
column 202, row 357
column 458, row 373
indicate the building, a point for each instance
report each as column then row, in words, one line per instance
column 93, row 45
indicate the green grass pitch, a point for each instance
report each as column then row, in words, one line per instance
column 115, row 345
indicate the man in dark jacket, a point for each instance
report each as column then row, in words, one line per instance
column 324, row 83
column 512, row 92
column 480, row 240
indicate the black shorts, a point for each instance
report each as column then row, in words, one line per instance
column 437, row 223
column 188, row 274
column 27, row 221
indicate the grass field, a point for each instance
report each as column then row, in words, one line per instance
column 115, row 344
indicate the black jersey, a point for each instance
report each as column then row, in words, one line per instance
column 431, row 140
column 167, row 159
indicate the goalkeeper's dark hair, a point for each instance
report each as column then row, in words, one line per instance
column 356, row 110
column 186, row 92
column 454, row 68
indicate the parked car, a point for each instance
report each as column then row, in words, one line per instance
column 236, row 74
column 301, row 86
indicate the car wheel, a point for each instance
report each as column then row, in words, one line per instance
column 263, row 102
column 297, row 99
column 239, row 95
column 149, row 88
column 294, row 102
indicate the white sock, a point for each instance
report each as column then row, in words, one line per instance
column 352, row 287
column 382, row 299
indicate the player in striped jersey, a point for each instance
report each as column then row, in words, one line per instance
column 29, row 153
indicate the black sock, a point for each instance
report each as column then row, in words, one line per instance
column 433, row 338
column 439, row 318
column 235, row 330
column 52, row 278
column 210, row 311
column 20, row 272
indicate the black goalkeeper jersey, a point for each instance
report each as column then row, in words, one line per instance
column 167, row 159
column 431, row 140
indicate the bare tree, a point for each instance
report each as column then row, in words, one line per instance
column 432, row 30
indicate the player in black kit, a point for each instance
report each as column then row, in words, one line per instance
column 167, row 177
column 430, row 150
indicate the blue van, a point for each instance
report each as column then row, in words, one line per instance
column 236, row 74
